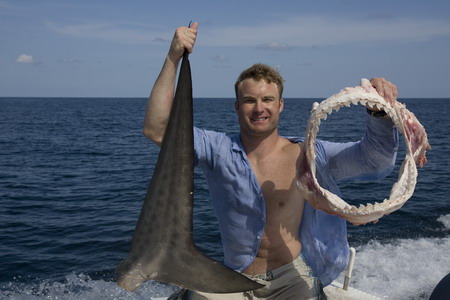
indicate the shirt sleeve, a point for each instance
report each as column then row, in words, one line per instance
column 205, row 142
column 371, row 158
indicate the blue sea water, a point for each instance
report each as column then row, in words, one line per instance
column 74, row 171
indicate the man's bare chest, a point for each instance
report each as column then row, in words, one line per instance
column 277, row 177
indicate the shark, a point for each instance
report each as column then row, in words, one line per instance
column 162, row 247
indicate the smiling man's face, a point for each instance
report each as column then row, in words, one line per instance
column 258, row 107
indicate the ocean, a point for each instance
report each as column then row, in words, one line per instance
column 74, row 171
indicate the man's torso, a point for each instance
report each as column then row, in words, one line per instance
column 276, row 175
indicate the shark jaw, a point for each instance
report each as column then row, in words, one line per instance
column 416, row 142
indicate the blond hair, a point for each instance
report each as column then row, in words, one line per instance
column 258, row 72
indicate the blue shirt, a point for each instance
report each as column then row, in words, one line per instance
column 240, row 207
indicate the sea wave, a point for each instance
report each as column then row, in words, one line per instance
column 81, row 286
column 74, row 175
column 404, row 268
column 445, row 219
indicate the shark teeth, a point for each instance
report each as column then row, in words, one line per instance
column 402, row 190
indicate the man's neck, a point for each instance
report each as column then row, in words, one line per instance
column 259, row 147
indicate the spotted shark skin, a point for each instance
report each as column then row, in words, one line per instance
column 162, row 247
column 416, row 142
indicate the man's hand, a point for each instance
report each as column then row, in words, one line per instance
column 385, row 89
column 184, row 38
column 161, row 98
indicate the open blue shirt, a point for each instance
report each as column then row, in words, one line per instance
column 240, row 207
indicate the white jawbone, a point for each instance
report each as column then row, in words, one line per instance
column 416, row 145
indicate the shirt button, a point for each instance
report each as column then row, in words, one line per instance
column 258, row 237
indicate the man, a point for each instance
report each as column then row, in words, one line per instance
column 268, row 231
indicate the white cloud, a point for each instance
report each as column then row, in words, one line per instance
column 326, row 31
column 70, row 60
column 221, row 58
column 24, row 59
column 123, row 33
column 73, row 60
column 290, row 32
column 160, row 39
column 275, row 46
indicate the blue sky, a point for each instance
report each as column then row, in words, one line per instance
column 51, row 48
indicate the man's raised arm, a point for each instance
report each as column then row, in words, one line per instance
column 161, row 98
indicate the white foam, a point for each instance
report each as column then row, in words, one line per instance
column 445, row 220
column 82, row 287
column 403, row 269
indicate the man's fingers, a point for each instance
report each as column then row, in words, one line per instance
column 188, row 36
column 194, row 25
column 377, row 84
column 184, row 38
column 385, row 89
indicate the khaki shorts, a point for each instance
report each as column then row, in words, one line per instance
column 288, row 282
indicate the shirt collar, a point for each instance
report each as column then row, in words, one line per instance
column 237, row 144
